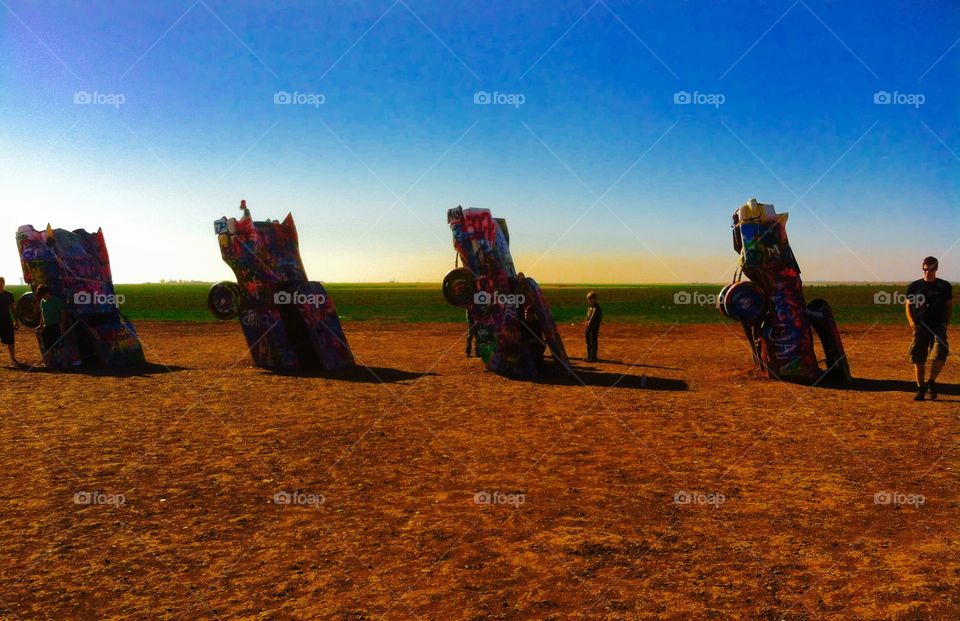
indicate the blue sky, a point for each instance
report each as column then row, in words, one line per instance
column 602, row 176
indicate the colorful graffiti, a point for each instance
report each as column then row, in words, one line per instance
column 75, row 267
column 778, row 324
column 507, row 310
column 289, row 323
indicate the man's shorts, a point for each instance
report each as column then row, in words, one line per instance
column 926, row 338
column 51, row 337
column 6, row 333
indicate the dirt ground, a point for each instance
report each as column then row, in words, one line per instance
column 674, row 484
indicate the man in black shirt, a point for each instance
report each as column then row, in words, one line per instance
column 8, row 321
column 592, row 326
column 929, row 308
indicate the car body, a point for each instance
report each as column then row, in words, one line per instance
column 75, row 266
column 289, row 322
column 507, row 310
column 777, row 322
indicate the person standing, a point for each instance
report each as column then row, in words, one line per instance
column 53, row 316
column 929, row 308
column 592, row 326
column 471, row 335
column 8, row 322
column 532, row 334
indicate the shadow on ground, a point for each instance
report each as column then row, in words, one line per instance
column 865, row 384
column 637, row 365
column 590, row 377
column 141, row 370
column 360, row 374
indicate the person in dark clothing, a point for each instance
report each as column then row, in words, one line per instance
column 8, row 322
column 592, row 326
column 929, row 308
column 53, row 317
column 472, row 343
column 532, row 334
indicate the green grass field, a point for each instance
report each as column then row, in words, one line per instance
column 424, row 302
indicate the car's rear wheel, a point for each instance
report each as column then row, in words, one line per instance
column 224, row 300
column 28, row 310
column 721, row 297
column 745, row 301
column 458, row 287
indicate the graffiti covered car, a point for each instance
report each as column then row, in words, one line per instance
column 75, row 267
column 507, row 311
column 778, row 324
column 290, row 323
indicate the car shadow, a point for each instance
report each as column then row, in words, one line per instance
column 636, row 364
column 590, row 377
column 359, row 373
column 141, row 370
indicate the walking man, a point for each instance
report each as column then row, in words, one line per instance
column 929, row 308
column 8, row 322
column 592, row 326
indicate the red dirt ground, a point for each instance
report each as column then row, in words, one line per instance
column 400, row 452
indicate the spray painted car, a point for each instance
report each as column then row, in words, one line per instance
column 778, row 324
column 290, row 323
column 507, row 311
column 75, row 267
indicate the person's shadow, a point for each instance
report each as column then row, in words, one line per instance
column 866, row 384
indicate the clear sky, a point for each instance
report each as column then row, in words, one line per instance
column 602, row 176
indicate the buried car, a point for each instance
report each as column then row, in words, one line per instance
column 507, row 311
column 290, row 323
column 75, row 267
column 778, row 324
